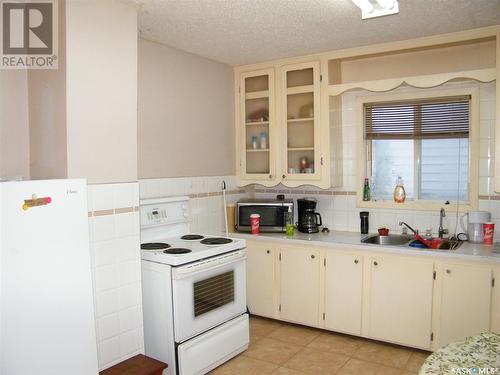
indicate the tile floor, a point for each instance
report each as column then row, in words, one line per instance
column 286, row 349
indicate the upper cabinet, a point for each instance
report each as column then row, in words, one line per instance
column 300, row 123
column 257, row 141
column 279, row 127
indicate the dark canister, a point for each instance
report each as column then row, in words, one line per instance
column 364, row 222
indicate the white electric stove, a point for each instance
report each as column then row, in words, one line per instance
column 175, row 251
column 194, row 290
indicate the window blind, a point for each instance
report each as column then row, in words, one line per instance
column 435, row 118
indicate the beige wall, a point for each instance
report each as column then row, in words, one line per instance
column 185, row 114
column 47, row 114
column 101, row 95
column 428, row 61
column 14, row 127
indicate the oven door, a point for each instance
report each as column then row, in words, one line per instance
column 208, row 293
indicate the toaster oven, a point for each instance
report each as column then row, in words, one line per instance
column 271, row 211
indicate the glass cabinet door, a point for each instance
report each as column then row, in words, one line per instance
column 301, row 121
column 257, row 122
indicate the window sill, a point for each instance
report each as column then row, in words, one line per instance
column 417, row 205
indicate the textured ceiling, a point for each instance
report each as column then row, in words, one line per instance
column 239, row 32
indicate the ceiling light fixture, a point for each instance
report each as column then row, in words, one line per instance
column 377, row 8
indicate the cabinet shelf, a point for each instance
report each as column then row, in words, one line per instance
column 303, row 119
column 300, row 148
column 257, row 150
column 299, row 89
column 257, row 94
column 255, row 123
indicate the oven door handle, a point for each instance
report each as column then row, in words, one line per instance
column 208, row 264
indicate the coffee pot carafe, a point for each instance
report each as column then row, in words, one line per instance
column 474, row 228
column 309, row 220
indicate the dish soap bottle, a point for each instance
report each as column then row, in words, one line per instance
column 399, row 191
column 289, row 222
column 366, row 190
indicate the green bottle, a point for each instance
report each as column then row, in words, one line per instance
column 289, row 229
column 366, row 190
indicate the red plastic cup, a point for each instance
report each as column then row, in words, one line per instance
column 488, row 231
column 255, row 223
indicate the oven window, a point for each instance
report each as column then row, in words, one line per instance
column 214, row 292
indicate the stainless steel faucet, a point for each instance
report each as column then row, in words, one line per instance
column 401, row 223
column 442, row 231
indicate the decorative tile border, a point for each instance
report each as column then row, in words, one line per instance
column 303, row 192
column 112, row 211
column 216, row 193
column 490, row 197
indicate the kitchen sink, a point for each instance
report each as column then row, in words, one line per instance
column 391, row 239
column 405, row 240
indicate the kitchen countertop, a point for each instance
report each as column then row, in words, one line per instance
column 468, row 251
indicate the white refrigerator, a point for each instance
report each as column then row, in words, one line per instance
column 46, row 306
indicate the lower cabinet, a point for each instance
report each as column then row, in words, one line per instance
column 400, row 300
column 465, row 301
column 343, row 292
column 299, row 285
column 261, row 298
column 395, row 298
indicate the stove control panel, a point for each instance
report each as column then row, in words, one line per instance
column 155, row 212
column 157, row 215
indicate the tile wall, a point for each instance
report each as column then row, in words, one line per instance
column 116, row 270
column 338, row 205
column 205, row 193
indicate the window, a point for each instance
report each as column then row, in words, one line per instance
column 426, row 141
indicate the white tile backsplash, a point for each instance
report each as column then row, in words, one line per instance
column 125, row 195
column 128, row 318
column 207, row 211
column 115, row 248
column 106, row 302
column 103, row 253
column 126, row 224
column 129, row 343
column 105, row 278
column 108, row 326
column 102, row 197
column 102, row 228
column 128, row 296
column 109, row 351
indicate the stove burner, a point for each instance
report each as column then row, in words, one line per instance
column 177, row 250
column 192, row 237
column 216, row 241
column 154, row 246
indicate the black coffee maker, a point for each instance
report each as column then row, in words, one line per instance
column 309, row 220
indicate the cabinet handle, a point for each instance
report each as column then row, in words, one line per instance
column 312, row 256
column 284, row 176
column 270, row 176
column 375, row 263
column 448, row 271
column 356, row 261
column 268, row 251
